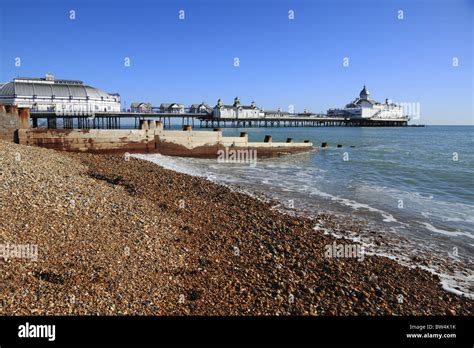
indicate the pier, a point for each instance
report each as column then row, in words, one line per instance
column 109, row 120
column 305, row 121
column 112, row 120
column 71, row 104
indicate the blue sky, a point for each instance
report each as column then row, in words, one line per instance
column 282, row 62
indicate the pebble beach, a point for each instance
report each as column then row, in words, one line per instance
column 118, row 235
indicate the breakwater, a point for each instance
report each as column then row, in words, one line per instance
column 149, row 138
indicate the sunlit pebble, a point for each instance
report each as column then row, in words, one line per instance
column 104, row 197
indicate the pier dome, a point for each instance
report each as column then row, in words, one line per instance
column 364, row 94
column 50, row 94
column 62, row 88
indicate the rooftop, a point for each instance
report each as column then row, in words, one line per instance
column 48, row 87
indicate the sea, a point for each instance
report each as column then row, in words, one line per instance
column 413, row 185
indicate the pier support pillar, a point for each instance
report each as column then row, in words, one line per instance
column 24, row 118
column 151, row 124
column 144, row 124
column 52, row 123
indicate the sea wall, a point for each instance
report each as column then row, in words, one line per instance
column 173, row 143
column 90, row 140
column 150, row 138
column 210, row 144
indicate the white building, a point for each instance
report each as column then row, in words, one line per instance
column 174, row 108
column 366, row 107
column 141, row 107
column 278, row 113
column 61, row 96
column 237, row 110
column 202, row 108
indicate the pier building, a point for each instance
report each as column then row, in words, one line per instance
column 141, row 107
column 236, row 110
column 278, row 113
column 202, row 108
column 367, row 108
column 60, row 96
column 172, row 108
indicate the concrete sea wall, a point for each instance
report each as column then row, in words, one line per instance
column 90, row 140
column 150, row 138
column 12, row 118
column 173, row 143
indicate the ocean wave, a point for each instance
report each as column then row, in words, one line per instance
column 432, row 228
column 172, row 163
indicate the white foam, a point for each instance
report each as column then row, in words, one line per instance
column 431, row 228
column 171, row 163
column 387, row 217
column 458, row 283
column 464, row 218
column 439, row 209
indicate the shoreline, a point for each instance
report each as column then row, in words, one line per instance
column 377, row 239
column 141, row 239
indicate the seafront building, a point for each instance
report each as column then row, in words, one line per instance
column 61, row 96
column 277, row 113
column 141, row 107
column 202, row 108
column 236, row 110
column 73, row 103
column 366, row 107
column 172, row 108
